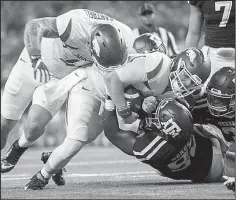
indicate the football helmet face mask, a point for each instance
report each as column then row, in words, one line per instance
column 221, row 93
column 189, row 72
column 108, row 47
column 173, row 119
column 148, row 43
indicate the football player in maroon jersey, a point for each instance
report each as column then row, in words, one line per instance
column 218, row 106
column 166, row 141
column 218, row 18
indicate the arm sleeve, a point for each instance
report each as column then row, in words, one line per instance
column 133, row 72
column 152, row 147
column 64, row 22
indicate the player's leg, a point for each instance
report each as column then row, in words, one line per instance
column 39, row 115
column 217, row 167
column 17, row 95
column 84, row 125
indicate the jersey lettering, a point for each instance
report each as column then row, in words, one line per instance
column 95, row 15
column 182, row 160
column 227, row 8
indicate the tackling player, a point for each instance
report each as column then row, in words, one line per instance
column 76, row 33
column 155, row 74
column 219, row 24
column 167, row 142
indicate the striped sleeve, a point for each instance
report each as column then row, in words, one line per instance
column 201, row 103
column 151, row 147
column 199, row 108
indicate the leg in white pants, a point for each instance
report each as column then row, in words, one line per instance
column 17, row 94
column 83, row 125
column 220, row 57
column 40, row 113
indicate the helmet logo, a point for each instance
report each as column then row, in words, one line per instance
column 96, row 47
column 171, row 128
column 191, row 54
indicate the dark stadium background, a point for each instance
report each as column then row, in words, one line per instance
column 172, row 15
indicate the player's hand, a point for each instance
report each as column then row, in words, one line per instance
column 41, row 72
column 149, row 104
column 229, row 182
column 131, row 118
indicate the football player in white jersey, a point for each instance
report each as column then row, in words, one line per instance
column 47, row 60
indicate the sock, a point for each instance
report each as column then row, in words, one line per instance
column 45, row 173
column 23, row 142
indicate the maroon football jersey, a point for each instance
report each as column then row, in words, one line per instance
column 185, row 160
column 219, row 17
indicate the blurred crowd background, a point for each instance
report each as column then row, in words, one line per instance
column 172, row 15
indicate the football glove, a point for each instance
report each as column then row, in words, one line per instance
column 131, row 118
column 149, row 104
column 41, row 72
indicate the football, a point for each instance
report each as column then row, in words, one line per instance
column 133, row 98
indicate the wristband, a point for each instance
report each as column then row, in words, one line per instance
column 35, row 54
column 124, row 112
column 35, row 57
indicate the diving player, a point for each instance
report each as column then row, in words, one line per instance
column 167, row 142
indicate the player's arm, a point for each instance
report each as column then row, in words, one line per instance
column 124, row 140
column 195, row 26
column 115, row 88
column 117, row 80
column 35, row 30
column 152, row 148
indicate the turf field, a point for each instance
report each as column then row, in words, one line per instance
column 104, row 173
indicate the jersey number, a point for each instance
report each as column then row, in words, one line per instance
column 228, row 130
column 227, row 8
column 184, row 160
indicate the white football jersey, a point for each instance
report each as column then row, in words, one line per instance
column 149, row 73
column 73, row 47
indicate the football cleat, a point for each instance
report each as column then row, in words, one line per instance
column 12, row 156
column 57, row 177
column 37, row 182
